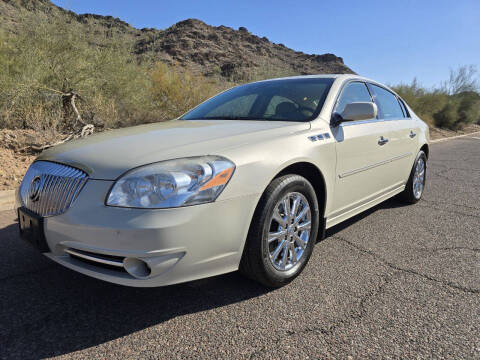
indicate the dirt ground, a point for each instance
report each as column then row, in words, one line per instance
column 15, row 160
column 13, row 168
column 437, row 133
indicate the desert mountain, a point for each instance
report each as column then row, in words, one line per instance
column 210, row 50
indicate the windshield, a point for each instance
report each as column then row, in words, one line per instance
column 283, row 100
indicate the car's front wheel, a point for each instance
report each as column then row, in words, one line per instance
column 283, row 232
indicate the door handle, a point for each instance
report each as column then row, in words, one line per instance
column 412, row 134
column 382, row 141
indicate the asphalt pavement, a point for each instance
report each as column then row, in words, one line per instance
column 397, row 281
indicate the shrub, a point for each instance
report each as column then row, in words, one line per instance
column 423, row 101
column 448, row 106
column 47, row 60
column 175, row 91
column 448, row 116
column 463, row 79
column 462, row 109
column 468, row 107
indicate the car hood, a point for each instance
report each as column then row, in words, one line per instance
column 109, row 154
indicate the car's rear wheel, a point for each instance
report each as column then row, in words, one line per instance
column 283, row 232
column 416, row 182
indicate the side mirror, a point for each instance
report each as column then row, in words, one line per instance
column 356, row 111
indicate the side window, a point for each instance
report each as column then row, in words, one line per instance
column 353, row 92
column 387, row 103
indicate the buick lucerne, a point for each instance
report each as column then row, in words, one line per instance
column 248, row 180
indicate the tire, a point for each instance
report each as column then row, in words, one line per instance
column 260, row 260
column 411, row 195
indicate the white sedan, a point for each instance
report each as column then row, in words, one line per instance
column 249, row 179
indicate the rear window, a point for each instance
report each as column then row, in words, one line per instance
column 388, row 105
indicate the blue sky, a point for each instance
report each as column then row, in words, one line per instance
column 388, row 40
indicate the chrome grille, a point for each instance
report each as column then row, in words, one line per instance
column 49, row 188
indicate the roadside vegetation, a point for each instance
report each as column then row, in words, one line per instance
column 62, row 78
column 54, row 82
column 453, row 105
column 53, row 79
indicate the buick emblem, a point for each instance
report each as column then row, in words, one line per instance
column 35, row 188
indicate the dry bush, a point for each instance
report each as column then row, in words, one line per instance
column 175, row 91
column 462, row 79
column 47, row 60
column 452, row 106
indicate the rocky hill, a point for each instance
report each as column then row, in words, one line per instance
column 210, row 50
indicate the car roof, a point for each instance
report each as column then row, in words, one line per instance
column 341, row 77
column 324, row 76
column 331, row 76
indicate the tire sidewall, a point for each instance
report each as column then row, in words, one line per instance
column 420, row 155
column 294, row 184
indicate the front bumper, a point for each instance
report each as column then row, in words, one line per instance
column 178, row 245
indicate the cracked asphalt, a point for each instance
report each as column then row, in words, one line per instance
column 395, row 282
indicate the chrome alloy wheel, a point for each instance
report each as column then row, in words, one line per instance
column 289, row 231
column 419, row 178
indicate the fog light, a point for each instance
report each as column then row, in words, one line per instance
column 137, row 268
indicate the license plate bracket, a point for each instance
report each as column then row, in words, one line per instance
column 31, row 228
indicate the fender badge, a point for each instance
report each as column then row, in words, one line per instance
column 319, row 137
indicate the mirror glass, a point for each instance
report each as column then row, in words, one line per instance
column 359, row 111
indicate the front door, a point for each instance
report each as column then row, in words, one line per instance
column 362, row 157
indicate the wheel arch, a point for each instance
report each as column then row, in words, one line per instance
column 425, row 149
column 314, row 175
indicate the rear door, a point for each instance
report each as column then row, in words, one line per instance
column 362, row 156
column 403, row 133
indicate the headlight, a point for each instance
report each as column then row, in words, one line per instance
column 172, row 183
